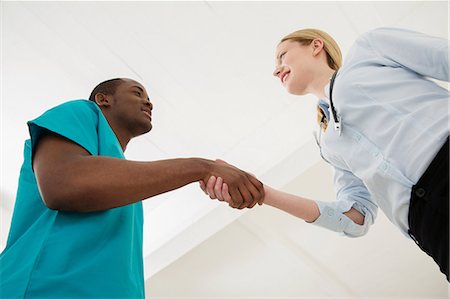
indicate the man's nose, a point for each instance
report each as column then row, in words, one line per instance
column 149, row 104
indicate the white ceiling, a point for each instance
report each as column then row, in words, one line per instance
column 207, row 67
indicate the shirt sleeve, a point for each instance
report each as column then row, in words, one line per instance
column 75, row 120
column 350, row 192
column 421, row 53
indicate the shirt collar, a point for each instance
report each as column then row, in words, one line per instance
column 323, row 104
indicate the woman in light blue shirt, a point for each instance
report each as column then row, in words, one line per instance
column 383, row 128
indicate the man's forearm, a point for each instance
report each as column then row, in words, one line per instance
column 100, row 183
column 71, row 179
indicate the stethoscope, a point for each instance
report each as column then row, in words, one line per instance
column 336, row 118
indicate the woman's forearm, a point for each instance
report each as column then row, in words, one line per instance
column 301, row 207
column 298, row 206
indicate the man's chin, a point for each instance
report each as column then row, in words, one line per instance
column 147, row 129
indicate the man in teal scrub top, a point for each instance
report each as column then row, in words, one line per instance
column 76, row 230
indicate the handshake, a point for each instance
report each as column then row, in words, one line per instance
column 232, row 185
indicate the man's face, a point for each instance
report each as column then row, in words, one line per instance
column 131, row 108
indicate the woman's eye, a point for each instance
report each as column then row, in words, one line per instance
column 137, row 93
column 281, row 56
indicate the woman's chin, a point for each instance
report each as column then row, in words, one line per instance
column 295, row 91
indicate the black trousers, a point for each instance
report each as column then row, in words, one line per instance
column 428, row 210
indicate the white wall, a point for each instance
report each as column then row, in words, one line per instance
column 270, row 254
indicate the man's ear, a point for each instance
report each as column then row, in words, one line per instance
column 102, row 100
column 317, row 45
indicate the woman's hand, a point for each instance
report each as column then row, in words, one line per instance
column 216, row 188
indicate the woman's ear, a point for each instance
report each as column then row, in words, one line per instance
column 317, row 45
column 102, row 100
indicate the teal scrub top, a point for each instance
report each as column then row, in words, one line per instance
column 55, row 254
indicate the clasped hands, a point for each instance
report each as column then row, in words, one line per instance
column 234, row 186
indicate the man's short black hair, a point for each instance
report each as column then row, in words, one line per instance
column 107, row 87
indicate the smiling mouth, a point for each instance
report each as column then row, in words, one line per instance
column 147, row 113
column 283, row 79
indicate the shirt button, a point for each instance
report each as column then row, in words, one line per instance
column 420, row 192
column 330, row 213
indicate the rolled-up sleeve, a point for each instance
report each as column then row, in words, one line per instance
column 350, row 193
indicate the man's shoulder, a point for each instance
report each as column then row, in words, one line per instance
column 76, row 105
column 76, row 120
column 71, row 109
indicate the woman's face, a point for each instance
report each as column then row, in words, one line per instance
column 295, row 66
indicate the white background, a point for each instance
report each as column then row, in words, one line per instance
column 207, row 67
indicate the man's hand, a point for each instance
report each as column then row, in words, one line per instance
column 240, row 190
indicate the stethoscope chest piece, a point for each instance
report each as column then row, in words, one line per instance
column 337, row 126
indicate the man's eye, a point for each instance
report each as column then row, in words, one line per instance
column 137, row 93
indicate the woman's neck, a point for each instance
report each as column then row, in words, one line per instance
column 322, row 79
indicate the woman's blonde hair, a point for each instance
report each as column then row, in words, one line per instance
column 306, row 36
column 334, row 56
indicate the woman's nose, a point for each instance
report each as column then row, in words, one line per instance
column 277, row 71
